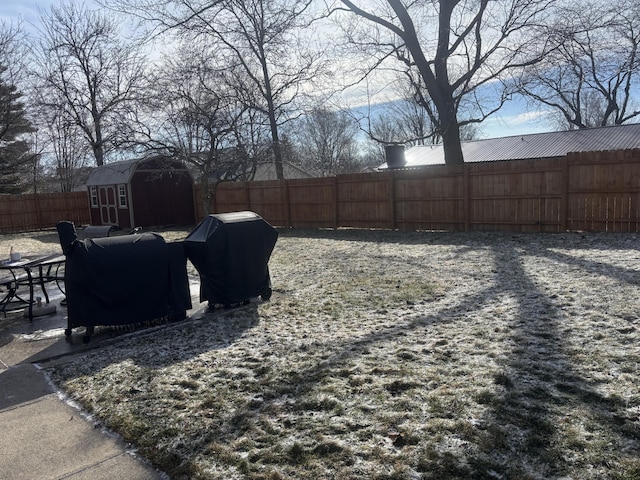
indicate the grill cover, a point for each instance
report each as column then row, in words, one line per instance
column 231, row 252
column 123, row 280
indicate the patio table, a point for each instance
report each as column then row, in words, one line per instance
column 29, row 271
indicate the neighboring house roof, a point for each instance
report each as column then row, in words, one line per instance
column 267, row 171
column 264, row 171
column 531, row 146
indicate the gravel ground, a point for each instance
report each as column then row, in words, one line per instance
column 393, row 355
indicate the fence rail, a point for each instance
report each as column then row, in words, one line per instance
column 595, row 191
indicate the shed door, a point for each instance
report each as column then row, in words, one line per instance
column 108, row 206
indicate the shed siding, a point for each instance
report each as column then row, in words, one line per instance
column 162, row 198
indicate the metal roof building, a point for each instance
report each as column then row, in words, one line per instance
column 532, row 146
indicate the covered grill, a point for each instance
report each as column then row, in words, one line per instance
column 122, row 280
column 231, row 252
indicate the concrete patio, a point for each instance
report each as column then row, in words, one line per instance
column 44, row 435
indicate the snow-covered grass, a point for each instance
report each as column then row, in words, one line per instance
column 394, row 355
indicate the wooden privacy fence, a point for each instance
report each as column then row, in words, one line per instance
column 595, row 191
column 21, row 213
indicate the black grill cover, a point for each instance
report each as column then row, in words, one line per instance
column 231, row 252
column 123, row 280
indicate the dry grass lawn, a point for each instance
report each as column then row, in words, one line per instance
column 394, row 355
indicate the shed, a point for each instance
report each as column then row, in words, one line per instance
column 147, row 192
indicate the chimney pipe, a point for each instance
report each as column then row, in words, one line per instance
column 394, row 155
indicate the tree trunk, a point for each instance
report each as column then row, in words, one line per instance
column 208, row 191
column 99, row 155
column 273, row 122
column 277, row 150
column 451, row 139
column 98, row 145
column 436, row 81
column 452, row 147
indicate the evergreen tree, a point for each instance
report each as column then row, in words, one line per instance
column 15, row 155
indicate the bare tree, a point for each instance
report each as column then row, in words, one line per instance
column 592, row 79
column 13, row 51
column 69, row 153
column 327, row 143
column 261, row 36
column 413, row 122
column 65, row 154
column 83, row 60
column 198, row 116
column 449, row 50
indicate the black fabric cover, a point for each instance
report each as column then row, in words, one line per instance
column 179, row 294
column 231, row 252
column 123, row 280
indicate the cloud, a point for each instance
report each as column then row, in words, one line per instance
column 527, row 117
column 515, row 122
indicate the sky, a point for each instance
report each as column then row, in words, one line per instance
column 513, row 119
column 27, row 10
column 516, row 119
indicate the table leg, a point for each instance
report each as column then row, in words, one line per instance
column 42, row 282
column 30, row 279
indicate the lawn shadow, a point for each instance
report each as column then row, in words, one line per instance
column 520, row 432
column 541, row 387
column 538, row 383
column 628, row 275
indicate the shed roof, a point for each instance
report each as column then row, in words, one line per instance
column 113, row 173
column 531, row 146
column 117, row 173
